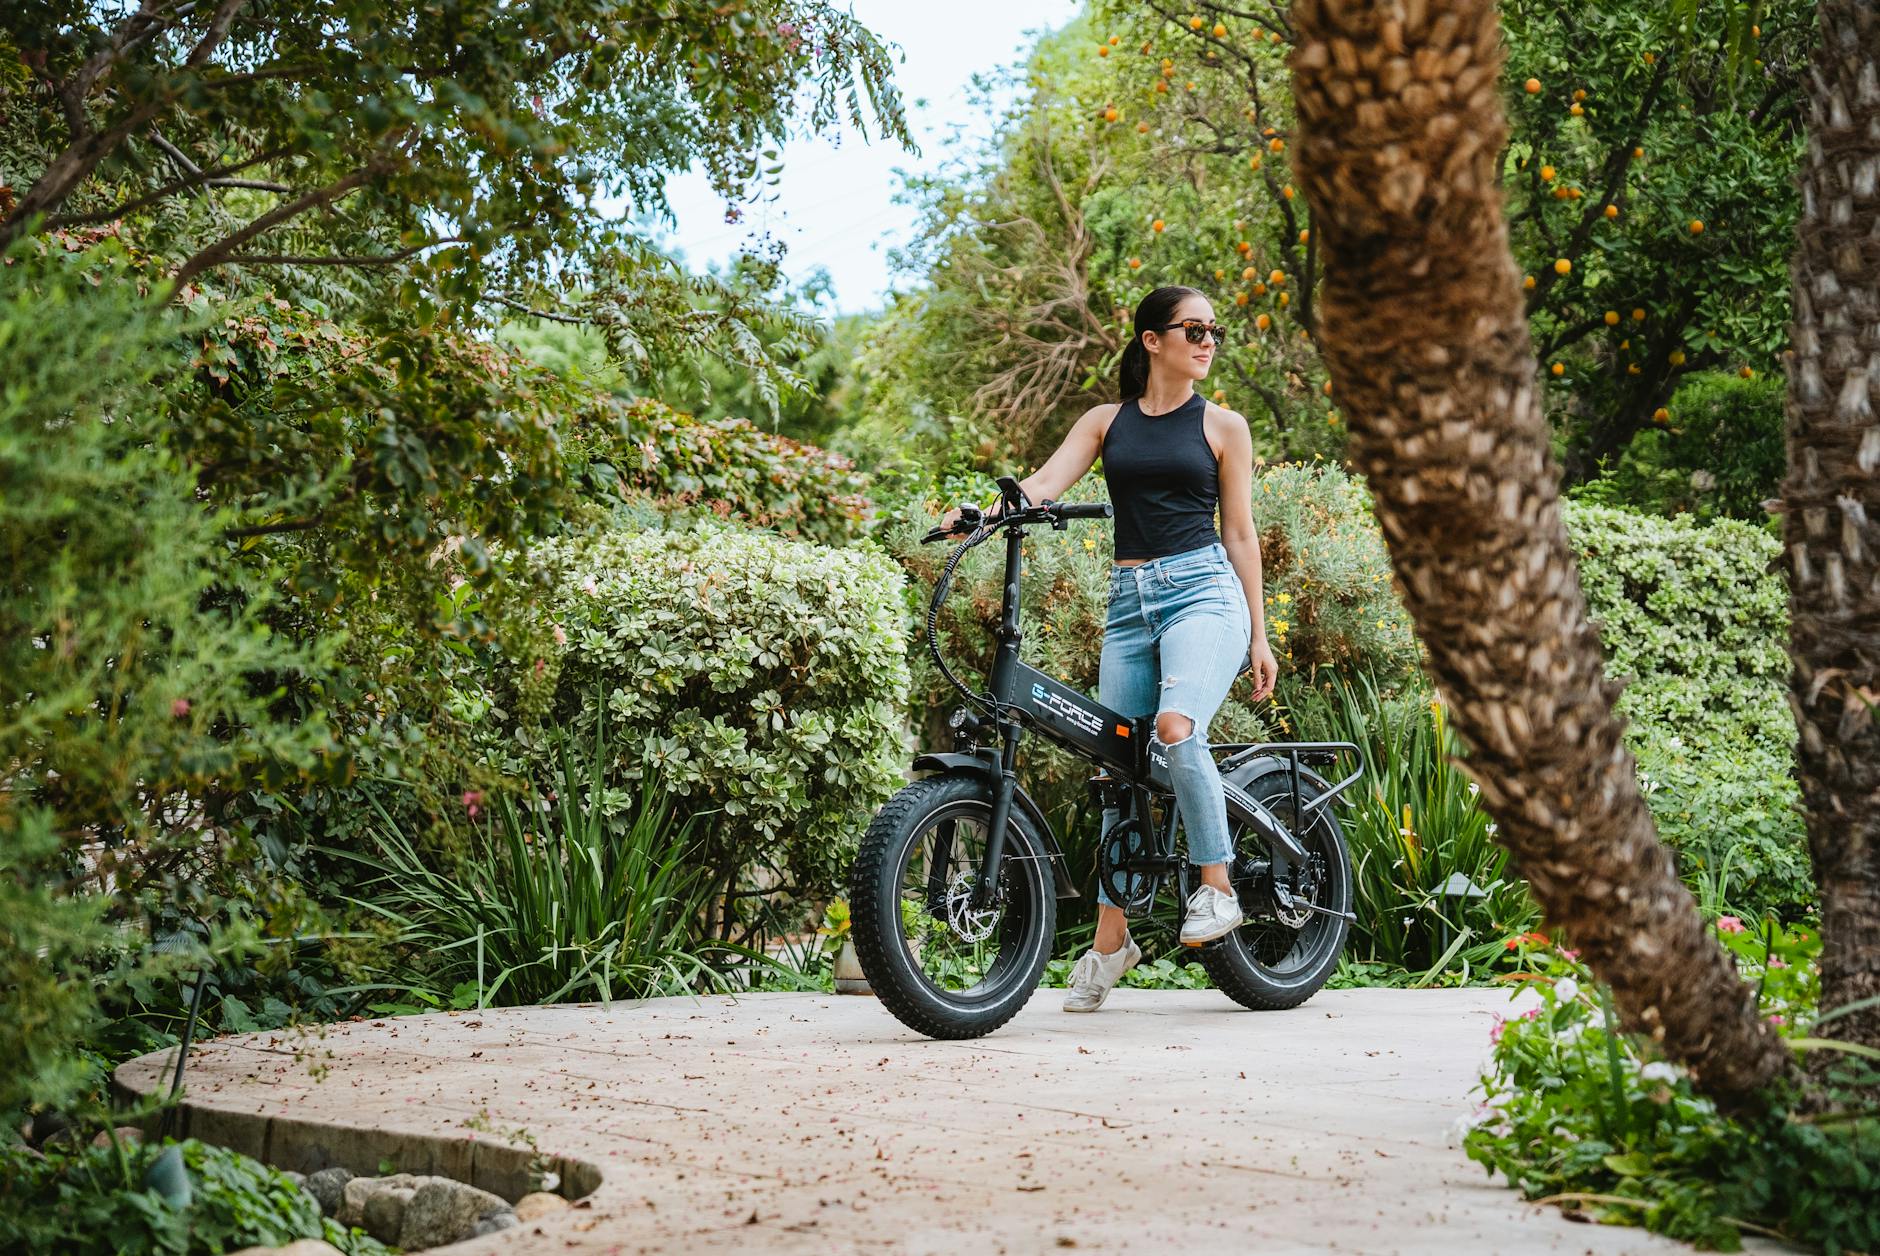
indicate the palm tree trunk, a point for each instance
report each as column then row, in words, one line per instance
column 1831, row 505
column 1422, row 327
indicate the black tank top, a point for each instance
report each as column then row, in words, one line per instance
column 1164, row 480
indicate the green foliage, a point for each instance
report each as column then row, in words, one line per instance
column 757, row 675
column 1693, row 615
column 728, row 469
column 139, row 678
column 95, row 1201
column 1720, row 453
column 572, row 890
column 1583, row 1114
column 1412, row 824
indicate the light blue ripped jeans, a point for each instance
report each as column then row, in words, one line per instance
column 1176, row 636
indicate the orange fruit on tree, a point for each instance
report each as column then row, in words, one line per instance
column 1575, row 193
column 1194, row 23
column 1527, row 283
column 1558, row 368
column 1612, row 318
column 1285, row 299
column 1746, row 373
column 1243, row 248
column 1305, row 235
column 1533, row 86
column 1755, row 32
column 1547, row 174
column 1638, row 152
column 1276, row 144
column 1259, row 290
column 1161, row 85
column 1562, row 192
column 1697, row 226
column 1249, row 273
column 1219, row 274
column 1612, row 211
column 1254, row 162
column 1578, row 111
column 1142, row 128
column 1110, row 114
column 1562, row 266
column 1240, row 298
column 1263, row 322
column 1579, row 93
column 1135, row 263
column 1220, row 394
column 1651, row 59
column 1189, row 85
column 1220, row 31
column 1157, row 225
column 1677, row 357
column 1272, row 37
column 1328, row 388
column 1660, row 415
column 1631, row 368
column 1625, row 344
column 1287, row 192
column 1103, row 50
column 1638, row 314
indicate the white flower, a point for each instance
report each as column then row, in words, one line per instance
column 1676, row 743
column 1566, row 989
column 1658, row 1071
column 1493, row 828
column 1474, row 789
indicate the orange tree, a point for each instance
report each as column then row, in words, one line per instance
column 1649, row 175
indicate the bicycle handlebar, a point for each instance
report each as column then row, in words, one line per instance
column 1054, row 513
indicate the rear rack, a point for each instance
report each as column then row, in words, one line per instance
column 1293, row 752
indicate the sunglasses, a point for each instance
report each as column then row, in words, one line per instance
column 1197, row 331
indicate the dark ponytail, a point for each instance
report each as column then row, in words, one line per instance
column 1152, row 311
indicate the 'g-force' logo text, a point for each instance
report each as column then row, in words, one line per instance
column 1056, row 704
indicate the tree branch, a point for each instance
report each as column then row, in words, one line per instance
column 222, row 249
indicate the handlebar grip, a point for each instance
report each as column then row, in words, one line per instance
column 1083, row 510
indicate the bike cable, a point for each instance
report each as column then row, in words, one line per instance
column 986, row 701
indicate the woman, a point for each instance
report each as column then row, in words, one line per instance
column 1186, row 608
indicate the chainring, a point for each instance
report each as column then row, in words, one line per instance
column 1131, row 889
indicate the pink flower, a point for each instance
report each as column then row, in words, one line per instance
column 1776, row 961
column 1494, row 1031
column 541, row 665
column 179, row 708
column 1775, row 1018
column 1569, row 954
column 1729, row 924
column 472, row 801
column 561, row 635
column 1532, row 1013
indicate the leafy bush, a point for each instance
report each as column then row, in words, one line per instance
column 762, row 677
column 1413, row 823
column 573, row 890
column 94, row 1201
column 730, row 469
column 1589, row 1117
column 1720, row 454
column 1694, row 617
column 137, row 670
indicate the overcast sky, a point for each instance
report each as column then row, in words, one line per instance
column 834, row 204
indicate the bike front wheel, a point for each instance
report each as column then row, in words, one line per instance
column 943, row 967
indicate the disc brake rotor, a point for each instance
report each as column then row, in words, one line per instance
column 969, row 925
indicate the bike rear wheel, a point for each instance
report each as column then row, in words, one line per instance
column 1271, row 962
column 942, row 968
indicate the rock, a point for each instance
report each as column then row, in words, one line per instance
column 299, row 1247
column 328, row 1188
column 125, row 1133
column 539, row 1204
column 295, row 1176
column 385, row 1212
column 352, row 1208
column 46, row 1124
column 443, row 1211
column 495, row 1221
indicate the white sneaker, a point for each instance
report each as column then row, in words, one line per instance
column 1211, row 914
column 1094, row 975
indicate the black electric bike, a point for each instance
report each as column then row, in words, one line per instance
column 953, row 894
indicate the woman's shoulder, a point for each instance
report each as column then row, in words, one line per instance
column 1218, row 423
column 1099, row 417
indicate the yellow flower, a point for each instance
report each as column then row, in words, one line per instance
column 1285, row 598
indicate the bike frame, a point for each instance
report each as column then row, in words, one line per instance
column 1026, row 699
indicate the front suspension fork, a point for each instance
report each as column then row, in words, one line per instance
column 1002, row 790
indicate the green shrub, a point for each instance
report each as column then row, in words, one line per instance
column 1693, row 616
column 92, row 1202
column 762, row 677
column 730, row 469
column 1412, row 823
column 570, row 890
column 1719, row 455
column 1595, row 1120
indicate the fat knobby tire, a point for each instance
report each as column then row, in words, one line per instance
column 874, row 910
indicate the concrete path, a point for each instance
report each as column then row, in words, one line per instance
column 1169, row 1122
